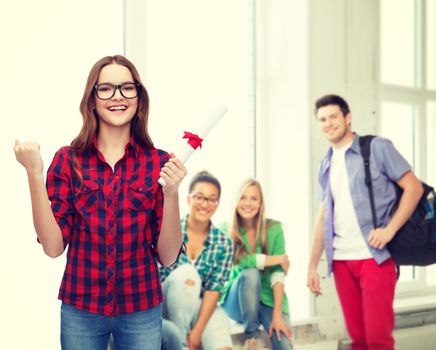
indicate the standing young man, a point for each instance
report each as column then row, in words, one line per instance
column 364, row 273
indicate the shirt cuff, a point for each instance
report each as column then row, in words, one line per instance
column 260, row 261
column 277, row 277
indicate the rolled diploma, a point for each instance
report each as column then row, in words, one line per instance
column 202, row 129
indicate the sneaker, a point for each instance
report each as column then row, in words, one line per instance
column 251, row 344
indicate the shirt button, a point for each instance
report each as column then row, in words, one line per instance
column 116, row 178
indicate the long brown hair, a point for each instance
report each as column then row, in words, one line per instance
column 139, row 124
column 260, row 224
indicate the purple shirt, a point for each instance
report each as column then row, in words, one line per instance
column 387, row 166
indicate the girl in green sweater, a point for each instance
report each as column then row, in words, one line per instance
column 255, row 294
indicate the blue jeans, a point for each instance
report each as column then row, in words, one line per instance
column 182, row 303
column 82, row 330
column 243, row 305
column 171, row 337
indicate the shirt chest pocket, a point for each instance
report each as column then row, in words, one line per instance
column 139, row 196
column 86, row 198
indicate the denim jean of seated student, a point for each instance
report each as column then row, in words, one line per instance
column 243, row 305
column 82, row 330
column 182, row 304
column 171, row 338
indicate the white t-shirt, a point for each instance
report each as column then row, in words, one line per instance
column 348, row 242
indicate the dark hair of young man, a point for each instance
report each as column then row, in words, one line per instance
column 335, row 100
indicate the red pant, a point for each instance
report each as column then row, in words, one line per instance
column 366, row 292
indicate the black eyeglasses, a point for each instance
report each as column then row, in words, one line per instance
column 106, row 91
column 199, row 199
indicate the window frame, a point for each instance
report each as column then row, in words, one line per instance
column 417, row 97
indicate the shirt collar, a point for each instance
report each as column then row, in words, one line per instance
column 355, row 147
column 94, row 142
column 132, row 144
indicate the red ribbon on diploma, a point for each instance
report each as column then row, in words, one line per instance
column 193, row 140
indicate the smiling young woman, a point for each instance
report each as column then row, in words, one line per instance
column 254, row 294
column 109, row 210
column 193, row 285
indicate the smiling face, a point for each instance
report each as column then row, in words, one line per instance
column 249, row 204
column 336, row 126
column 117, row 111
column 203, row 201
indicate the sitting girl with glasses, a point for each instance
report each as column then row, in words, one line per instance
column 194, row 283
column 255, row 294
column 108, row 208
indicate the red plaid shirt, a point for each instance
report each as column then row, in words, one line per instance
column 111, row 224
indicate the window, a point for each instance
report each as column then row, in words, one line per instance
column 408, row 96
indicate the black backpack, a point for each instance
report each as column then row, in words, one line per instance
column 415, row 241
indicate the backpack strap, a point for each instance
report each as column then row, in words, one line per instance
column 365, row 150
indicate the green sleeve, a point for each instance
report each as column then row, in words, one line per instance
column 276, row 243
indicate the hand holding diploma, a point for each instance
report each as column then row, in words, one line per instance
column 193, row 139
column 172, row 174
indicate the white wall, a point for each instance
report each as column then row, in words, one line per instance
column 283, row 140
column 48, row 48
